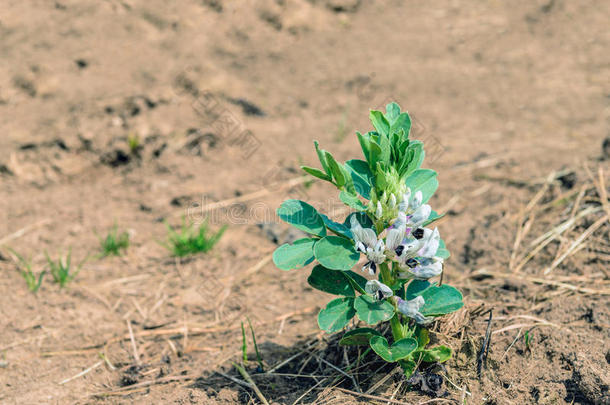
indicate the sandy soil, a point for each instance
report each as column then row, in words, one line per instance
column 226, row 98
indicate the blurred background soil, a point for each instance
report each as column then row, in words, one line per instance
column 223, row 100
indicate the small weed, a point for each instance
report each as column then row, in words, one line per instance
column 115, row 243
column 25, row 269
column 526, row 339
column 191, row 240
column 61, row 270
column 134, row 144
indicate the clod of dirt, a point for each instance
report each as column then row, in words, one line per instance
column 590, row 379
column 199, row 143
column 568, row 180
column 272, row 19
column 81, row 63
column 343, row 6
column 26, row 85
column 215, row 5
column 115, row 158
column 130, row 376
column 247, row 107
column 5, row 170
column 428, row 382
column 606, row 148
column 181, row 201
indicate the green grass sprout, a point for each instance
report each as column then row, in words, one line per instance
column 244, row 345
column 189, row 239
column 25, row 269
column 259, row 359
column 134, row 144
column 61, row 270
column 115, row 243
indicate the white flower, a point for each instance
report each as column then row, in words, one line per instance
column 404, row 204
column 411, row 309
column 432, row 240
column 367, row 243
column 424, row 269
column 415, row 212
column 379, row 210
column 378, row 290
column 420, row 215
column 392, row 201
column 417, row 257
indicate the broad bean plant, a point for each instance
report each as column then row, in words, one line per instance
column 389, row 232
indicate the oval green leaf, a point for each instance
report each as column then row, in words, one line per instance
column 336, row 315
column 371, row 311
column 302, row 216
column 441, row 300
column 358, row 337
column 336, row 253
column 295, row 256
column 330, row 281
column 401, row 349
column 438, row 354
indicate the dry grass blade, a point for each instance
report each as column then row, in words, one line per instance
column 542, row 241
column 577, row 242
column 136, row 356
column 82, row 373
column 537, row 280
column 351, row 377
column 250, row 381
column 387, row 400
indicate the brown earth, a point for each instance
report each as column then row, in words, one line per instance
column 511, row 98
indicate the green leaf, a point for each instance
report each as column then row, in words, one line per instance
column 336, row 315
column 416, row 287
column 339, row 173
column 438, row 354
column 322, row 158
column 336, row 253
column 302, row 216
column 442, row 250
column 380, row 122
column 295, row 256
column 375, row 153
column 371, row 311
column 416, row 154
column 401, row 349
column 403, row 122
column 361, row 175
column 358, row 337
column 423, row 180
column 365, row 145
column 441, row 300
column 330, row 281
column 362, row 217
column 339, row 229
column 392, row 112
column 386, row 149
column 408, row 365
column 352, row 201
column 316, row 173
column 356, row 280
column 422, row 337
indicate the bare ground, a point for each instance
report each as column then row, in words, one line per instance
column 510, row 98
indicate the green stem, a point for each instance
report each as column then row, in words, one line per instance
column 388, row 279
